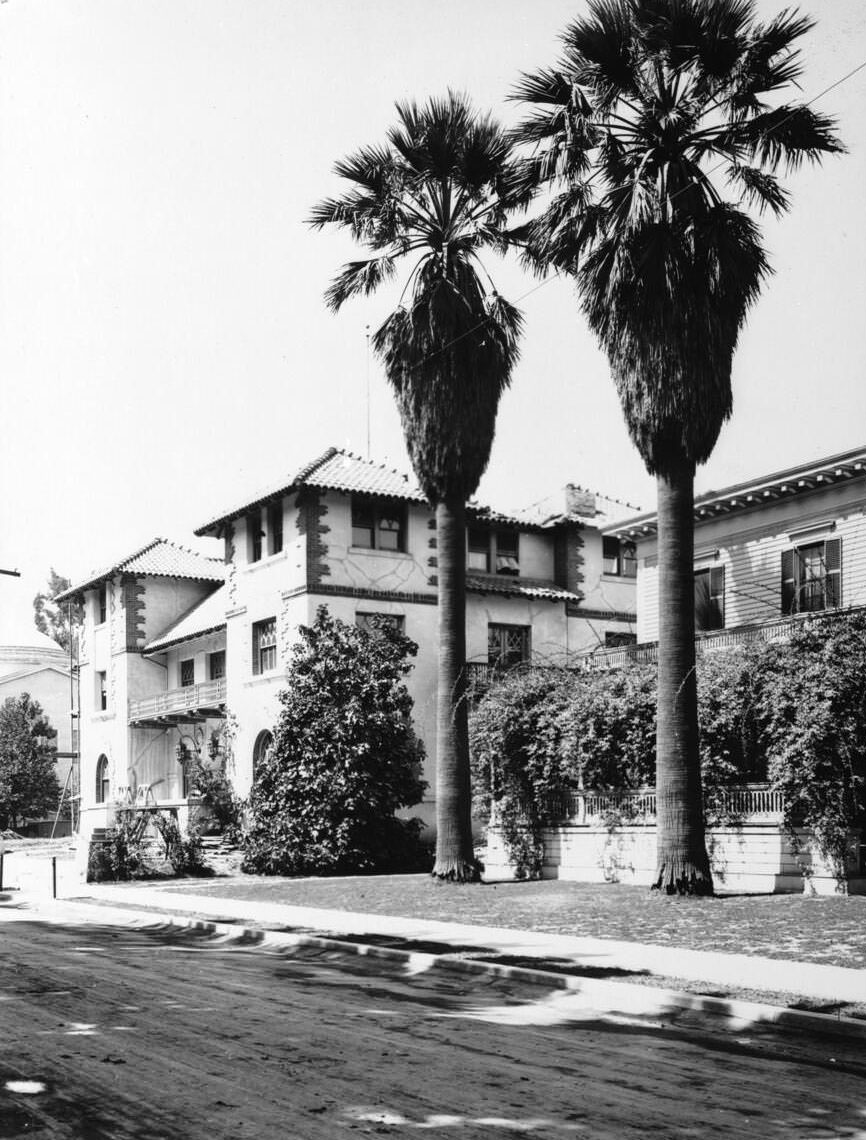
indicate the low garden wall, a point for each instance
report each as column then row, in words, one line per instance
column 748, row 857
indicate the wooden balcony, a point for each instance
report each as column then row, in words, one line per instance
column 191, row 704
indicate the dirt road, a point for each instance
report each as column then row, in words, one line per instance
column 119, row 1033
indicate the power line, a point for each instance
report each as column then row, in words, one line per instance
column 625, row 186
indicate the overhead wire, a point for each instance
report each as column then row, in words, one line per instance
column 625, row 186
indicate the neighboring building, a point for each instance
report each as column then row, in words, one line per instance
column 184, row 653
column 767, row 551
column 31, row 662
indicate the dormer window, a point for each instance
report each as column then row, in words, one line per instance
column 493, row 551
column 378, row 525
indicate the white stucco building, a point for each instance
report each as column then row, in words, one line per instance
column 182, row 652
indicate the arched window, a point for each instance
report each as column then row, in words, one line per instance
column 261, row 749
column 102, row 781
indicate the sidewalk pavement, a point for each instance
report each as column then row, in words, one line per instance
column 830, row 984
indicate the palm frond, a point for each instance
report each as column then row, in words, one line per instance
column 760, row 189
column 358, row 277
column 787, row 135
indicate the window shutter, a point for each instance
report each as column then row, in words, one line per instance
column 833, row 571
column 789, row 591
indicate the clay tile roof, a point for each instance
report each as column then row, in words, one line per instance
column 335, row 470
column 206, row 616
column 524, row 587
column 159, row 558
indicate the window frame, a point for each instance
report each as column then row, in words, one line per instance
column 102, row 690
column 101, row 612
column 492, row 550
column 497, row 658
column 625, row 559
column 716, row 588
column 267, row 627
column 254, row 536
column 797, row 579
column 218, row 654
column 275, row 527
column 102, row 781
column 363, row 620
column 186, row 672
column 378, row 511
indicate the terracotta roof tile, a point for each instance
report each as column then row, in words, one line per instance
column 526, row 587
column 159, row 558
column 335, row 470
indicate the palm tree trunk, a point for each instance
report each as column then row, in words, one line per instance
column 682, row 864
column 455, row 859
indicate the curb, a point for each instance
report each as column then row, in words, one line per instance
column 610, row 999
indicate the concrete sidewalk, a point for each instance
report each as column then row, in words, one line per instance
column 808, row 980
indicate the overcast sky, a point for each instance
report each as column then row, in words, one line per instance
column 164, row 347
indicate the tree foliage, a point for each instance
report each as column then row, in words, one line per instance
column 790, row 713
column 344, row 759
column 28, row 780
column 657, row 132
column 53, row 618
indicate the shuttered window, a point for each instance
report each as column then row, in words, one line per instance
column 812, row 577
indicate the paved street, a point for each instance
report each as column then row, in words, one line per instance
column 116, row 1032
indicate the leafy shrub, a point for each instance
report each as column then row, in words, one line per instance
column 344, row 759
column 813, row 703
column 218, row 796
column 120, row 856
column 185, row 853
column 791, row 713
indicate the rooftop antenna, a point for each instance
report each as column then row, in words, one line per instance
column 368, row 393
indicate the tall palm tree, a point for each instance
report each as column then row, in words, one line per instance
column 659, row 128
column 438, row 194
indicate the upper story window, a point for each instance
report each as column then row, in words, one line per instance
column 371, row 621
column 493, row 551
column 216, row 665
column 187, row 673
column 618, row 557
column 254, row 536
column 265, row 645
column 275, row 527
column 507, row 645
column 101, row 690
column 102, row 604
column 709, row 599
column 378, row 525
column 812, row 577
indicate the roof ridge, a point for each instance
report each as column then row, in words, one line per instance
column 309, row 468
column 371, row 463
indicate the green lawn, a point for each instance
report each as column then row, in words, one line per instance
column 795, row 927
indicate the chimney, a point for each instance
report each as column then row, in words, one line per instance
column 579, row 502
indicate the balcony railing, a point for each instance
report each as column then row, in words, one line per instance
column 191, row 702
column 747, row 803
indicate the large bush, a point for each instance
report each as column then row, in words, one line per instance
column 345, row 758
column 813, row 706
column 791, row 713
